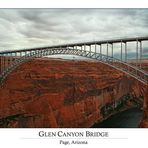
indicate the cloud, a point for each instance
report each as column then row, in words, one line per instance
column 24, row 28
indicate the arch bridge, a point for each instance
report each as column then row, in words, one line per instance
column 104, row 51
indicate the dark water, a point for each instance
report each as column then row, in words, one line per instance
column 126, row 119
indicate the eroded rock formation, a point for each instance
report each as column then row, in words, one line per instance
column 61, row 93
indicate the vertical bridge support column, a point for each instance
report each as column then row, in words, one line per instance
column 25, row 53
column 101, row 51
column 125, row 52
column 85, row 49
column 36, row 53
column 121, row 50
column 141, row 54
column 107, row 50
column 137, row 61
column 90, row 50
column 95, row 49
column 76, row 50
column 112, row 50
column 20, row 54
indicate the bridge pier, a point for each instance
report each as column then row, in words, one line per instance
column 125, row 52
column 81, row 48
column 112, row 50
column 95, row 49
column 90, row 50
column 107, row 50
column 100, row 51
column 137, row 53
column 140, row 53
column 121, row 51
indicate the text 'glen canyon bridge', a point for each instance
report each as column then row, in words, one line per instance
column 104, row 51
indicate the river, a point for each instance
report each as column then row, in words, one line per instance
column 126, row 119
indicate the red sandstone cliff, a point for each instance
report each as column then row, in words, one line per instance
column 144, row 122
column 61, row 93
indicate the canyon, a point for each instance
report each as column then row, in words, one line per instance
column 48, row 92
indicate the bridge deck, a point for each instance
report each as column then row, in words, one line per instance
column 124, row 40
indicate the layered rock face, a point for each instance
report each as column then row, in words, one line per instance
column 61, row 93
column 144, row 121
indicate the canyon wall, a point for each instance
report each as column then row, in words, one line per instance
column 61, row 93
column 144, row 121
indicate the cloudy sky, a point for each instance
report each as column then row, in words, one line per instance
column 24, row 28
